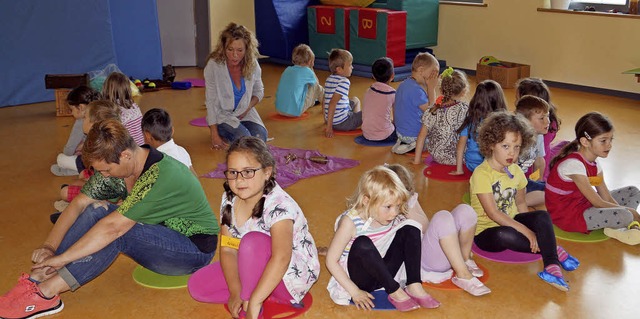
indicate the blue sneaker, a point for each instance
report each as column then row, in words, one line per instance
column 557, row 282
column 570, row 264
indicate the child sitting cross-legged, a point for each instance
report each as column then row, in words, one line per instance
column 340, row 112
column 378, row 101
column 299, row 88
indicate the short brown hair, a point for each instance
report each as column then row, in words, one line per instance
column 302, row 54
column 337, row 58
column 105, row 142
column 424, row 59
column 494, row 128
column 530, row 105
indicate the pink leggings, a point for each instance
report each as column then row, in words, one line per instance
column 209, row 285
column 444, row 224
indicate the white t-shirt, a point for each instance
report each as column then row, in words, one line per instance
column 529, row 156
column 573, row 166
column 176, row 151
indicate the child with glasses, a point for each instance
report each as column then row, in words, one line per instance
column 266, row 248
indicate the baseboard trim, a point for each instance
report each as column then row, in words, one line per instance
column 580, row 88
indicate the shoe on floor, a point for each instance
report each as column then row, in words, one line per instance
column 473, row 286
column 20, row 288
column 627, row 236
column 555, row 281
column 405, row 305
column 473, row 268
column 60, row 205
column 570, row 264
column 59, row 171
column 425, row 301
column 403, row 148
column 29, row 303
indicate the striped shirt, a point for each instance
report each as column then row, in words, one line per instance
column 337, row 84
column 131, row 119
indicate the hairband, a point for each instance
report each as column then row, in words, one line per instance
column 587, row 136
column 447, row 73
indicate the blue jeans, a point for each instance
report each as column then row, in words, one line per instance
column 155, row 247
column 246, row 128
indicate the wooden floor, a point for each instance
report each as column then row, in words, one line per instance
column 605, row 286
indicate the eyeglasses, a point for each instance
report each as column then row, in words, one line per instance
column 246, row 173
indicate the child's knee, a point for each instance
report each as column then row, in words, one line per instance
column 442, row 224
column 465, row 217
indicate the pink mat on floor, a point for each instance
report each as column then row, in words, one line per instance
column 274, row 310
column 289, row 173
column 280, row 117
column 354, row 132
column 440, row 172
column 506, row 256
column 195, row 82
column 201, row 121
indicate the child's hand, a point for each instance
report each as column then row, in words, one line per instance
column 328, row 132
column 432, row 80
column 253, row 309
column 363, row 300
column 416, row 161
column 234, row 304
column 456, row 172
column 531, row 236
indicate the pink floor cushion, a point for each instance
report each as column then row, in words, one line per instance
column 348, row 133
column 506, row 256
column 280, row 117
column 440, row 172
column 195, row 82
column 274, row 310
column 201, row 121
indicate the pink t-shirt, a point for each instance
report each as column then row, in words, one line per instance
column 376, row 111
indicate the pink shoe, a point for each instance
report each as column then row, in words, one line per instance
column 406, row 305
column 473, row 268
column 472, row 286
column 425, row 301
column 30, row 303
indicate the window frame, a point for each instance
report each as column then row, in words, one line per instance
column 579, row 5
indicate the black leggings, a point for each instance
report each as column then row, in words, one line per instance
column 499, row 238
column 370, row 271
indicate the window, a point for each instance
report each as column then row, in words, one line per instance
column 601, row 5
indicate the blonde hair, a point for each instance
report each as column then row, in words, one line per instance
column 378, row 185
column 338, row 58
column 404, row 174
column 237, row 32
column 302, row 54
column 423, row 59
column 117, row 89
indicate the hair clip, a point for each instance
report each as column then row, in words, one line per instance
column 447, row 73
column 506, row 170
column 587, row 136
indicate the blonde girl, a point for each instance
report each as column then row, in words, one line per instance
column 117, row 89
column 373, row 240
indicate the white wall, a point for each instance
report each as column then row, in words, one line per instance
column 570, row 48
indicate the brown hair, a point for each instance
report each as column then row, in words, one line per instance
column 82, row 95
column 451, row 86
column 588, row 126
column 102, row 110
column 424, row 59
column 237, row 32
column 537, row 87
column 530, row 105
column 488, row 98
column 302, row 54
column 105, row 142
column 494, row 128
column 338, row 58
column 117, row 89
column 260, row 151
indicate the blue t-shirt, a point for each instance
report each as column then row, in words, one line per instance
column 407, row 114
column 292, row 89
column 472, row 155
column 238, row 93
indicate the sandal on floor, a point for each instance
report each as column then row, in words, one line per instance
column 425, row 301
column 405, row 305
column 627, row 236
column 473, row 286
column 555, row 281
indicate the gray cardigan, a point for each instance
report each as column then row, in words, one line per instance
column 219, row 95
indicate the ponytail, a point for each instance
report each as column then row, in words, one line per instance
column 226, row 211
column 566, row 150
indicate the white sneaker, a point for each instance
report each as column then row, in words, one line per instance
column 473, row 268
column 403, row 148
column 59, row 171
column 472, row 286
column 60, row 205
